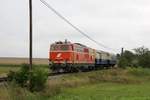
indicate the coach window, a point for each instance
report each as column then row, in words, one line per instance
column 86, row 50
column 107, row 54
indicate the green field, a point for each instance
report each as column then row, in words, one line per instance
column 112, row 84
column 127, row 84
column 107, row 91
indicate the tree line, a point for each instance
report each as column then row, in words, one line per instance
column 138, row 57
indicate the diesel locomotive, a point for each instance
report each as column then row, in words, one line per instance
column 73, row 57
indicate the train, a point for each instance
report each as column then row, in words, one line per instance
column 74, row 57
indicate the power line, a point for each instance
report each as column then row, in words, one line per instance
column 76, row 28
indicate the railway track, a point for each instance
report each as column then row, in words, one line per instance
column 4, row 79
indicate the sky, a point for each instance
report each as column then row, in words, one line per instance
column 114, row 23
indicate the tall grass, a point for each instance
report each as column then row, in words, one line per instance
column 13, row 92
column 105, row 76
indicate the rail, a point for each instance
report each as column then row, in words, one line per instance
column 3, row 79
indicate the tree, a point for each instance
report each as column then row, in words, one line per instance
column 143, row 56
column 122, row 62
column 141, row 50
column 144, row 60
column 126, row 59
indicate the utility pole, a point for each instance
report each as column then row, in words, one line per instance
column 30, row 34
column 122, row 50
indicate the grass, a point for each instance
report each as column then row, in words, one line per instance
column 13, row 92
column 112, row 84
column 107, row 91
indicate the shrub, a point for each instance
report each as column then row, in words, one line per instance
column 11, row 76
column 38, row 79
column 139, row 71
column 34, row 80
column 20, row 77
column 122, row 62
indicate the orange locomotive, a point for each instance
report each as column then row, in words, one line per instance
column 71, row 57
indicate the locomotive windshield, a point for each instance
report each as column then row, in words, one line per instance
column 60, row 47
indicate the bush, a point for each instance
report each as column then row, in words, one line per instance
column 123, row 62
column 139, row 71
column 140, row 57
column 38, row 79
column 126, row 59
column 11, row 76
column 20, row 77
column 34, row 80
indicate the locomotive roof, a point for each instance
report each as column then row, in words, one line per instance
column 80, row 44
column 67, row 42
column 60, row 42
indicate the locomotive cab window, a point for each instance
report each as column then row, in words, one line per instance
column 64, row 47
column 61, row 47
column 55, row 47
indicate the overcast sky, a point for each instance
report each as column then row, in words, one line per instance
column 115, row 23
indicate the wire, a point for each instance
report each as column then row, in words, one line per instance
column 76, row 28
